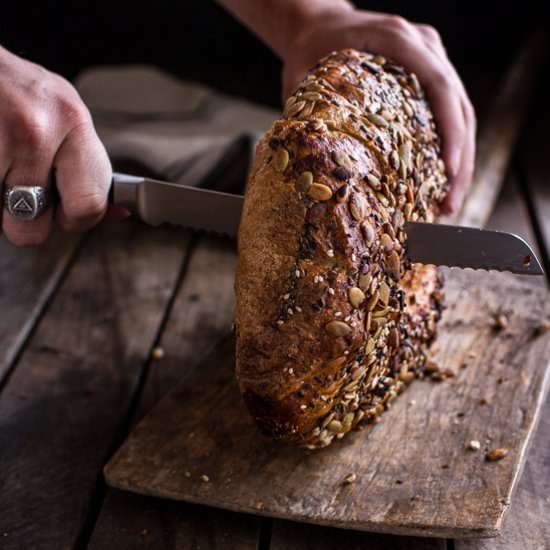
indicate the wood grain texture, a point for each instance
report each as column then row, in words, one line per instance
column 499, row 133
column 28, row 278
column 528, row 524
column 133, row 522
column 202, row 312
column 414, row 474
column 65, row 402
column 288, row 535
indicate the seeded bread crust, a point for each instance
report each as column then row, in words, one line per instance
column 331, row 321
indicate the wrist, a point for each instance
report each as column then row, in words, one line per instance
column 303, row 18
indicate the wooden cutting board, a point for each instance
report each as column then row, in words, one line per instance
column 413, row 471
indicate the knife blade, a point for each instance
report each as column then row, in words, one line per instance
column 157, row 202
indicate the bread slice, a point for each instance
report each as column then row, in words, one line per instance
column 331, row 320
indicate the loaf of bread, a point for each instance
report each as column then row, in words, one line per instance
column 331, row 320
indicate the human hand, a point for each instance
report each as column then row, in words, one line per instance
column 46, row 135
column 419, row 49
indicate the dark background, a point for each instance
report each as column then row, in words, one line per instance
column 198, row 39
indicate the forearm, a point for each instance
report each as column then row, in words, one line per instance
column 276, row 22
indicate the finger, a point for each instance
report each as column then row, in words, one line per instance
column 461, row 183
column 83, row 175
column 31, row 166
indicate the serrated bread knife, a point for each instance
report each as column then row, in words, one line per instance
column 157, row 202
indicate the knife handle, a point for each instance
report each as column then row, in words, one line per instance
column 124, row 191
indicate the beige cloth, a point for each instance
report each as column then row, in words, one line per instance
column 176, row 130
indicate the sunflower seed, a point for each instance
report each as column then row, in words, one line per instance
column 474, row 445
column 356, row 296
column 358, row 373
column 358, row 206
column 281, row 160
column 349, row 479
column 377, row 120
column 408, row 210
column 338, row 328
column 319, row 192
column 304, row 181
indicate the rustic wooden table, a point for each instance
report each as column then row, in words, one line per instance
column 80, row 319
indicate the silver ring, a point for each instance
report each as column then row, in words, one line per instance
column 26, row 202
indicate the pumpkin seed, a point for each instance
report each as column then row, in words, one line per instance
column 387, row 243
column 281, row 160
column 365, row 281
column 336, row 363
column 384, row 293
column 338, row 328
column 371, row 343
column 304, row 181
column 290, row 102
column 312, row 96
column 372, row 301
column 358, row 206
column 342, row 159
column 356, row 296
column 348, row 421
column 308, row 109
column 394, row 265
column 496, row 454
column 295, row 108
column 408, row 109
column 377, row 120
column 327, row 420
column 334, row 426
column 374, row 182
column 394, row 160
column 319, row 192
column 406, row 377
column 368, row 232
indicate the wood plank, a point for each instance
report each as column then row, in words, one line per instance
column 201, row 314
column 64, row 405
column 28, row 279
column 298, row 536
column 131, row 522
column 528, row 524
column 414, row 473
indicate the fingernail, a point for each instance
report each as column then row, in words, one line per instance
column 455, row 162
